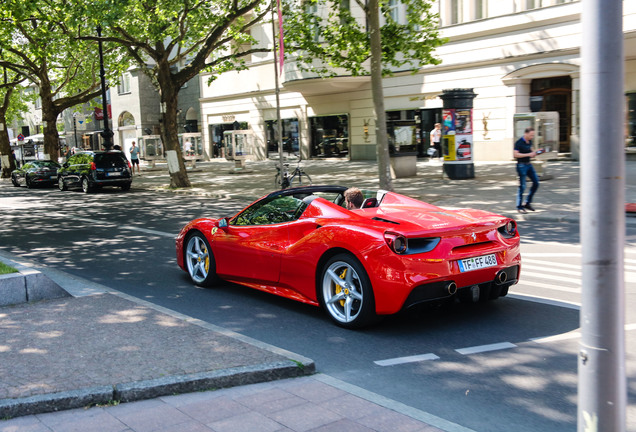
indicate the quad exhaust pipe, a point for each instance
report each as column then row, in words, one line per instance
column 451, row 287
column 501, row 277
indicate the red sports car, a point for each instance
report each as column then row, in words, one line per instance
column 393, row 253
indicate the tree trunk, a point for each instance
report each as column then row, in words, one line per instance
column 170, row 137
column 384, row 162
column 49, row 120
column 8, row 164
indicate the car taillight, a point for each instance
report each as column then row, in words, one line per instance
column 397, row 242
column 93, row 166
column 129, row 165
column 508, row 230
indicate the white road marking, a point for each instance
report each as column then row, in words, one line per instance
column 545, row 300
column 552, row 255
column 553, row 269
column 486, row 348
column 407, row 359
column 557, row 338
column 549, row 264
column 525, row 282
column 550, row 277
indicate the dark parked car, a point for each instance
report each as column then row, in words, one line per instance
column 36, row 173
column 91, row 170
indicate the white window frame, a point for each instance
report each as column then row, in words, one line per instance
column 124, row 85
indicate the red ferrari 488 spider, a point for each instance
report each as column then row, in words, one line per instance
column 392, row 253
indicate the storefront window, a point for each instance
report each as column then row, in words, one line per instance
column 329, row 136
column 403, row 132
column 291, row 138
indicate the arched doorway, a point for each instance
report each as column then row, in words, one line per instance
column 549, row 87
column 191, row 120
column 127, row 131
column 554, row 94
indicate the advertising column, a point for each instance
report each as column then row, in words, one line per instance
column 457, row 133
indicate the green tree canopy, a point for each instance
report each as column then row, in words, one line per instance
column 172, row 41
column 332, row 38
column 38, row 39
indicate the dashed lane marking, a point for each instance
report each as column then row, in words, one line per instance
column 488, row 348
column 485, row 348
column 407, row 359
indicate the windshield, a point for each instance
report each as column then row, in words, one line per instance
column 270, row 211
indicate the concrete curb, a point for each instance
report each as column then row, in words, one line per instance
column 26, row 286
column 141, row 390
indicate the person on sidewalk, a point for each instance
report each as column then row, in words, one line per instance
column 436, row 139
column 134, row 158
column 523, row 153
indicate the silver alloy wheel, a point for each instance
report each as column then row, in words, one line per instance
column 197, row 259
column 86, row 187
column 342, row 292
column 60, row 184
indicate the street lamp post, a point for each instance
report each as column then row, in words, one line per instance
column 107, row 134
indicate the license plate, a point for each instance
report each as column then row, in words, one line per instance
column 113, row 174
column 53, row 177
column 477, row 263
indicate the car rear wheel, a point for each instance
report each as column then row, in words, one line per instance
column 60, row 184
column 200, row 261
column 125, row 187
column 86, row 185
column 346, row 292
column 29, row 185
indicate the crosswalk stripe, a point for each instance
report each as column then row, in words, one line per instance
column 550, row 264
column 544, row 276
column 524, row 282
column 552, row 270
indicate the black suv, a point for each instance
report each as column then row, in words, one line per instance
column 91, row 170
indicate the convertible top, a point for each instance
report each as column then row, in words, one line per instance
column 308, row 190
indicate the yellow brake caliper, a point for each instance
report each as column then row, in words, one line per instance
column 339, row 288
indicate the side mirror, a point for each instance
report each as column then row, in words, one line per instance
column 223, row 223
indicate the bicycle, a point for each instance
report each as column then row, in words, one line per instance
column 288, row 179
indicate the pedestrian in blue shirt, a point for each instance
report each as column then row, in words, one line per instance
column 523, row 153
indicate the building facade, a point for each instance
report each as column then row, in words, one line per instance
column 519, row 56
column 136, row 109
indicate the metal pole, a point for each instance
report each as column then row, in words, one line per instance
column 107, row 134
column 75, row 129
column 279, row 127
column 601, row 362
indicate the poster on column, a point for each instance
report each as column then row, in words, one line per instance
column 464, row 134
column 448, row 134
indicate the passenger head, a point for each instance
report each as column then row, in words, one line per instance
column 353, row 198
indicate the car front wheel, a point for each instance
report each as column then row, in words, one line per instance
column 346, row 292
column 15, row 181
column 60, row 184
column 200, row 261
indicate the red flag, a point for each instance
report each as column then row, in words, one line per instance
column 281, row 44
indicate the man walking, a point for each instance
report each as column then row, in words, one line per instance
column 523, row 152
column 134, row 158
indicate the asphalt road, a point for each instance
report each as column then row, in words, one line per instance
column 505, row 365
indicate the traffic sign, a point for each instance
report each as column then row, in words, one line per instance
column 20, row 137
